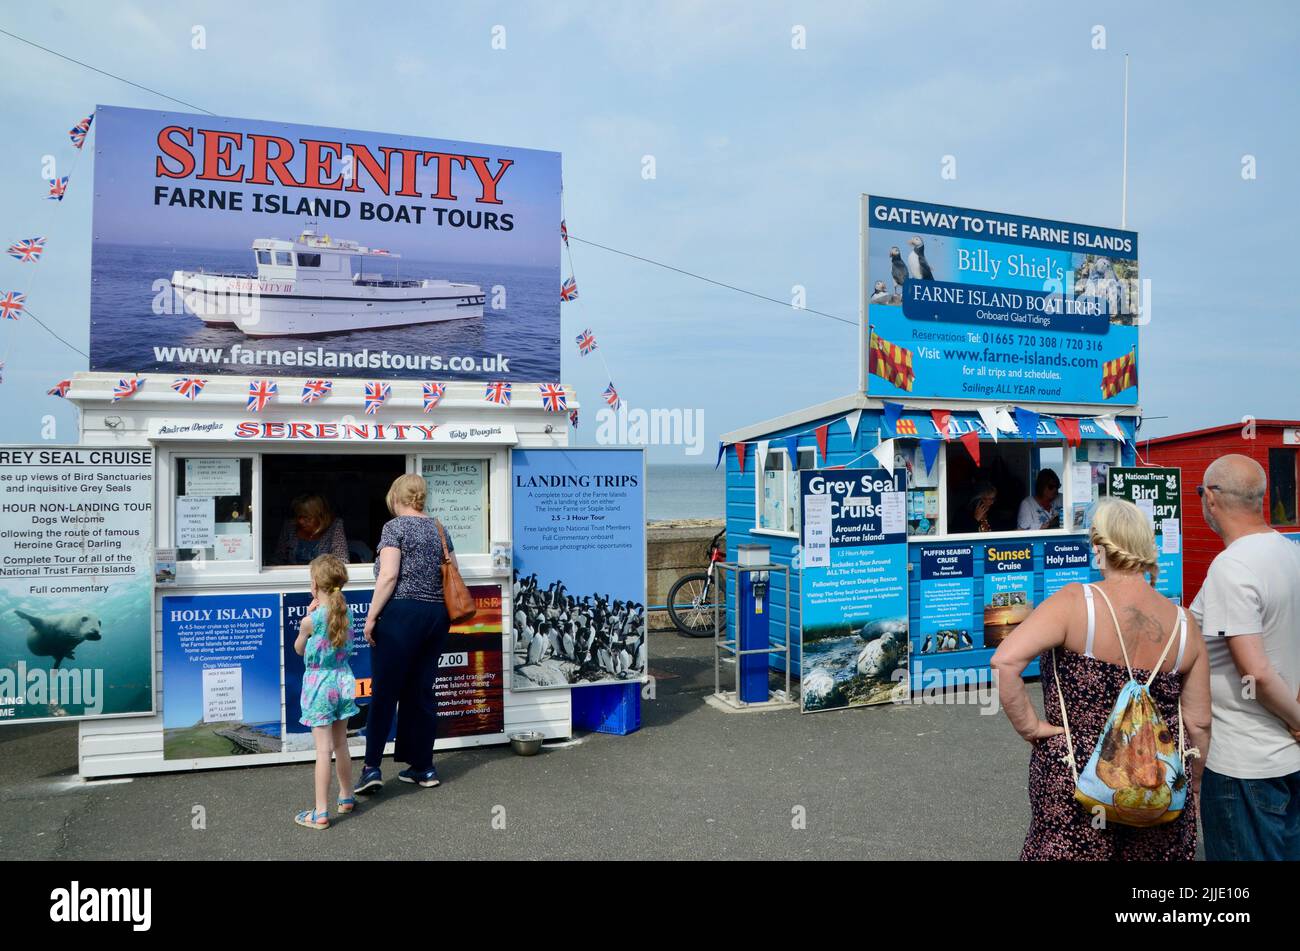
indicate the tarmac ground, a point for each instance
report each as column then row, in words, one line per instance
column 914, row 781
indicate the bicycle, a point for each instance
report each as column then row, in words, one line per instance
column 689, row 600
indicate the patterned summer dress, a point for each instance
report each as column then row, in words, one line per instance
column 328, row 688
column 1059, row 827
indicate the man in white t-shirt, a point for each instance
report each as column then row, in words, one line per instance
column 1249, row 612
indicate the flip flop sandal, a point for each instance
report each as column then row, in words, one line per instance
column 310, row 819
column 347, row 805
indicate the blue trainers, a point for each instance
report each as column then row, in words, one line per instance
column 425, row 777
column 371, row 780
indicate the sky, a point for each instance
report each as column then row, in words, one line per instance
column 760, row 151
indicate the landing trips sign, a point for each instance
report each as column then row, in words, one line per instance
column 853, row 589
column 263, row 249
column 964, row 304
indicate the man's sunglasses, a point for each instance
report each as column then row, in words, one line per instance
column 1200, row 489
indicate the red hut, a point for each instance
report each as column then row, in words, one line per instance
column 1273, row 443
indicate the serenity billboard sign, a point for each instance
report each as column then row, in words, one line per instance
column 222, row 245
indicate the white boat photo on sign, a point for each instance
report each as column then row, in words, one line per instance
column 318, row 285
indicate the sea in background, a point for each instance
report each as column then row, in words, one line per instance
column 684, row 491
column 124, row 329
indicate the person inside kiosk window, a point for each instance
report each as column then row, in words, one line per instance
column 1041, row 510
column 978, row 512
column 314, row 530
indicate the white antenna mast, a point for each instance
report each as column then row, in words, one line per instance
column 1123, row 201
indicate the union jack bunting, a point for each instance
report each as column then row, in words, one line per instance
column 586, row 342
column 260, row 393
column 611, row 397
column 27, row 250
column 569, row 290
column 189, row 387
column 59, row 389
column 553, row 398
column 58, row 188
column 12, row 305
column 497, row 393
column 314, row 390
column 125, row 388
column 573, row 418
column 433, row 394
column 376, row 394
column 78, row 132
column 1119, row 374
column 564, row 232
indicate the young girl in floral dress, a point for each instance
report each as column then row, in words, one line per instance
column 328, row 687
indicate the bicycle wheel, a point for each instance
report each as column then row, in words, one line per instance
column 690, row 605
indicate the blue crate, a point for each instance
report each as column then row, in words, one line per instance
column 609, row 708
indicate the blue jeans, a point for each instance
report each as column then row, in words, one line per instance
column 409, row 638
column 1248, row 820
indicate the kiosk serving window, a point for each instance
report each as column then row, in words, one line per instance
column 213, row 512
column 1282, row 486
column 1017, row 487
column 317, row 504
column 778, row 490
column 922, row 487
column 457, row 494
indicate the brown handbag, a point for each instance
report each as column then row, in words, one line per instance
column 460, row 603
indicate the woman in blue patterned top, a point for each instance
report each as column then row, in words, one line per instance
column 407, row 628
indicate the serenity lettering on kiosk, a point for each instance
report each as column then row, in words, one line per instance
column 853, row 648
column 579, row 567
column 76, row 583
column 262, row 248
column 978, row 305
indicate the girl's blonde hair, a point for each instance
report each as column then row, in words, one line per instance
column 408, row 490
column 329, row 575
column 1122, row 531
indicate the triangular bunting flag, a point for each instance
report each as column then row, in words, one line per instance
column 760, row 456
column 930, row 449
column 892, row 412
column 989, row 417
column 823, row 433
column 722, row 451
column 942, row 421
column 1005, row 422
column 971, row 441
column 853, row 419
column 1110, row 427
column 1026, row 423
column 740, row 456
column 1069, row 429
column 884, row 453
column 792, row 451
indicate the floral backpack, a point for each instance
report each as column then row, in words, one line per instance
column 1136, row 773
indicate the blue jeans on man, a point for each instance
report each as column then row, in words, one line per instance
column 1250, row 820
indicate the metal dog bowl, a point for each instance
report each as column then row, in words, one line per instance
column 527, row 743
